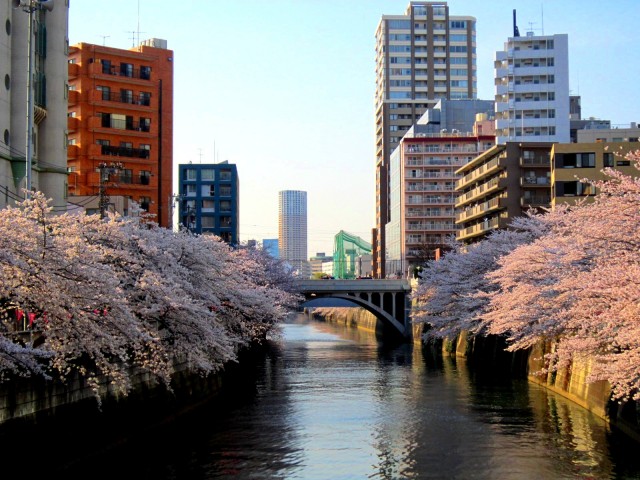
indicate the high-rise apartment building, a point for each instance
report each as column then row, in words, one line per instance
column 121, row 124
column 48, row 117
column 421, row 56
column 209, row 199
column 292, row 229
column 422, row 196
column 532, row 89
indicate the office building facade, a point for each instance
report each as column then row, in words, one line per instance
column 421, row 56
column 292, row 229
column 209, row 200
column 47, row 145
column 532, row 89
column 120, row 122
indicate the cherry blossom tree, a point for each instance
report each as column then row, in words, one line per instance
column 450, row 296
column 104, row 297
column 578, row 287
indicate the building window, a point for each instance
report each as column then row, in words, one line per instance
column 190, row 173
column 225, row 222
column 190, row 189
column 145, row 177
column 225, row 206
column 145, row 202
column 106, row 66
column 106, row 92
column 145, row 124
column 126, row 69
column 126, row 96
column 145, row 72
column 225, row 190
column 207, row 221
column 225, row 174
column 207, row 174
column 126, row 175
column 607, row 159
column 623, row 163
column 209, row 205
column 144, row 99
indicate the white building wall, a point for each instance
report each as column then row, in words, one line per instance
column 532, row 89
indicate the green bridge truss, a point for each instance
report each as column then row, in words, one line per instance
column 346, row 249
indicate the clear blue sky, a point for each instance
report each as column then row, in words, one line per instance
column 284, row 88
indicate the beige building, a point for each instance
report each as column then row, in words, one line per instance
column 422, row 55
column 47, row 139
column 574, row 161
column 620, row 134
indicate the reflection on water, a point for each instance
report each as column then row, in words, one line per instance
column 328, row 402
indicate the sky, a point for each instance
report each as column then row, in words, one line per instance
column 284, row 89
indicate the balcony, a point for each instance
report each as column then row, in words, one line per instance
column 490, row 168
column 73, row 151
column 471, row 213
column 537, row 161
column 481, row 228
column 73, row 124
column 74, row 97
column 532, row 201
column 124, row 125
column 530, row 181
column 73, row 70
column 482, row 191
column 124, row 70
column 124, row 152
column 122, row 97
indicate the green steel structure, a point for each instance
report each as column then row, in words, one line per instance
column 346, row 249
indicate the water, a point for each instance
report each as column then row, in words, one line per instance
column 328, row 402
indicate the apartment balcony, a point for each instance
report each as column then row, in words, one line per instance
column 429, row 188
column 74, row 97
column 533, row 87
column 73, row 124
column 430, row 227
column 431, row 201
column 120, row 180
column 532, row 201
column 482, row 228
column 73, row 151
column 531, row 181
column 430, row 213
column 531, row 70
column 531, row 53
column 481, row 210
column 533, row 104
column 121, row 97
column 479, row 193
column 124, row 152
column 490, row 168
column 124, row 125
column 73, row 70
column 120, row 70
column 536, row 162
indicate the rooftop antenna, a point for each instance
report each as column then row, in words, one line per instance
column 200, row 154
column 104, row 38
column 516, row 32
column 531, row 24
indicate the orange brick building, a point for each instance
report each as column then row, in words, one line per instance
column 120, row 123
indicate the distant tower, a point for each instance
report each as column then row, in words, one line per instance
column 292, row 228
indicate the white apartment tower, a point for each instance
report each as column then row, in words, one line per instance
column 532, row 89
column 47, row 138
column 421, row 57
column 292, row 228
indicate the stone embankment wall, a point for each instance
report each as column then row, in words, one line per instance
column 570, row 382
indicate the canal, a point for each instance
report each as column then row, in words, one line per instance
column 327, row 402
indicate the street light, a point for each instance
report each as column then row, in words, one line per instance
column 30, row 6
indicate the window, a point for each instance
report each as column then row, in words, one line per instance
column 145, row 72
column 126, row 175
column 145, row 202
column 126, row 70
column 126, row 144
column 106, row 92
column 145, row 124
column 225, row 190
column 458, row 24
column 106, row 66
column 144, row 99
column 101, row 141
column 607, row 159
column 623, row 163
column 571, row 189
column 190, row 189
column 190, row 173
column 145, row 177
column 209, row 205
column 207, row 174
column 225, row 222
column 399, row 24
column 207, row 221
column 225, row 174
column 126, row 96
column 225, row 206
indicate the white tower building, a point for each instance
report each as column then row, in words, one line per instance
column 532, row 89
column 292, row 229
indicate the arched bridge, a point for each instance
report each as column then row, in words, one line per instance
column 388, row 300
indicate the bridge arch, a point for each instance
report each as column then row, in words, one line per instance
column 387, row 300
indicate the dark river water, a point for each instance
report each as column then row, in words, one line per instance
column 326, row 402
